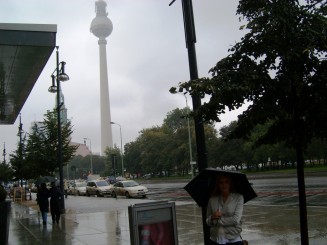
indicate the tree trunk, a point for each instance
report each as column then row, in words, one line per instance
column 302, row 197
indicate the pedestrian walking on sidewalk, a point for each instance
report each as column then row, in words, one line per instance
column 224, row 213
column 66, row 187
column 55, row 197
column 43, row 202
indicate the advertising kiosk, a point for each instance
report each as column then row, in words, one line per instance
column 153, row 223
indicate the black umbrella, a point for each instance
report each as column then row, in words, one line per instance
column 200, row 187
column 45, row 179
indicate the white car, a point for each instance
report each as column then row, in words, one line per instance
column 98, row 188
column 128, row 188
column 78, row 188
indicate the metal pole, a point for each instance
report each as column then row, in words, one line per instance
column 196, row 99
column 21, row 150
column 4, row 152
column 67, row 171
column 61, row 174
column 91, row 160
column 121, row 148
column 189, row 138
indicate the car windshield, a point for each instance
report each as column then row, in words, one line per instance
column 82, row 184
column 130, row 183
column 102, row 183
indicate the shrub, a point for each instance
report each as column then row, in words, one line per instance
column 3, row 194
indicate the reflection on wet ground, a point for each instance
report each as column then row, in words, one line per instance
column 262, row 225
column 271, row 219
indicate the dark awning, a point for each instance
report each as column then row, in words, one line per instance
column 24, row 52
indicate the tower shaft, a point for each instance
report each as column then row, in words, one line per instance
column 101, row 27
column 106, row 131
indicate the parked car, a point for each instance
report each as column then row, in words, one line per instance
column 78, row 188
column 146, row 176
column 98, row 188
column 128, row 188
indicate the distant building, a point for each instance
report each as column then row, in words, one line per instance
column 82, row 149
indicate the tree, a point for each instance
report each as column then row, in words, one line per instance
column 165, row 149
column 36, row 152
column 278, row 153
column 5, row 172
column 39, row 155
column 45, row 137
column 18, row 159
column 154, row 144
column 132, row 157
column 79, row 167
column 231, row 152
column 178, row 125
column 280, row 67
column 176, row 119
column 113, row 161
column 317, row 151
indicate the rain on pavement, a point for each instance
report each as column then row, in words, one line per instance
column 271, row 218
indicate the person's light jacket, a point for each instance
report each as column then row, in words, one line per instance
column 230, row 224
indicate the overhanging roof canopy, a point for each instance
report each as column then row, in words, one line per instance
column 24, row 52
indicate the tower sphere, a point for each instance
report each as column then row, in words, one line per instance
column 101, row 25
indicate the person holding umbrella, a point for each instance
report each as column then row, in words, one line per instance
column 221, row 193
column 55, row 197
column 43, row 201
column 224, row 213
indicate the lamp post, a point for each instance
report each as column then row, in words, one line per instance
column 55, row 88
column 189, row 137
column 91, row 161
column 121, row 148
column 4, row 153
column 190, row 38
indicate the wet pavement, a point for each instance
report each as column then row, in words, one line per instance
column 107, row 223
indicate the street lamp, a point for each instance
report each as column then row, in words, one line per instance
column 121, row 148
column 55, row 88
column 189, row 137
column 4, row 153
column 91, row 153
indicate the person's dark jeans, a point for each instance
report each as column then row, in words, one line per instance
column 232, row 243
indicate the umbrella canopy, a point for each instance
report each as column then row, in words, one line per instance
column 45, row 179
column 200, row 187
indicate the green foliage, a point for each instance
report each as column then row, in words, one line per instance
column 79, row 167
column 110, row 168
column 165, row 149
column 3, row 194
column 177, row 119
column 5, row 172
column 39, row 155
column 280, row 67
column 17, row 160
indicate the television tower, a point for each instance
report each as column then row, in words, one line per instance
column 101, row 27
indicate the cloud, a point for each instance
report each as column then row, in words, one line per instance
column 146, row 55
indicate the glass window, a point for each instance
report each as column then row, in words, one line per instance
column 102, row 183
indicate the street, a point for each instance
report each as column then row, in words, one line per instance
column 272, row 217
column 270, row 191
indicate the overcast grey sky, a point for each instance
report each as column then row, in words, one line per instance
column 146, row 55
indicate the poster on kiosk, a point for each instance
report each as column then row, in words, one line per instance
column 153, row 223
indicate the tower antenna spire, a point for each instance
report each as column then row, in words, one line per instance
column 101, row 27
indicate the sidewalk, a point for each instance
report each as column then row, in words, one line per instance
column 262, row 225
